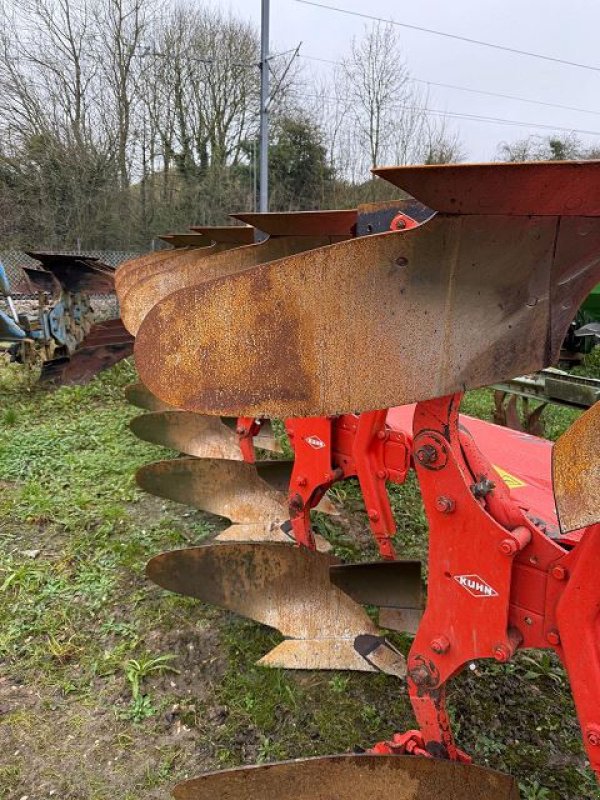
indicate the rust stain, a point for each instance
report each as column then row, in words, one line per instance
column 286, row 588
column 576, row 472
column 193, row 434
column 241, row 492
column 195, row 268
column 339, row 223
column 344, row 328
column 352, row 777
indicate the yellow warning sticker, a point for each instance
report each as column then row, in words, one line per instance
column 510, row 480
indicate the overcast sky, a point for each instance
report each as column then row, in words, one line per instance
column 569, row 31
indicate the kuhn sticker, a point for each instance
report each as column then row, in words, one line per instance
column 314, row 442
column 476, row 586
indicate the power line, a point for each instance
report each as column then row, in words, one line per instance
column 507, row 96
column 467, row 116
column 471, row 90
column 454, row 36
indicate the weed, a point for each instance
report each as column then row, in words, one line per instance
column 543, row 665
column 137, row 669
column 339, row 684
column 9, row 416
column 533, row 791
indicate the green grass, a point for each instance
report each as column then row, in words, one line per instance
column 167, row 687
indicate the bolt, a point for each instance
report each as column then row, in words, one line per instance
column 382, row 474
column 501, row 653
column 440, row 645
column 553, row 637
column 401, row 261
column 381, row 434
column 399, row 224
column 240, row 430
column 301, row 480
column 373, row 515
column 482, row 488
column 592, row 734
column 427, row 454
column 509, row 547
column 445, row 505
column 420, row 675
column 559, row 572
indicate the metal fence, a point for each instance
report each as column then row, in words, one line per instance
column 14, row 260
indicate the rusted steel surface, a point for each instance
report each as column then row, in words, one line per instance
column 135, row 265
column 193, row 434
column 41, row 281
column 196, row 268
column 78, row 273
column 241, row 492
column 147, row 268
column 282, row 586
column 374, row 322
column 352, row 777
column 110, row 331
column 245, row 493
column 576, row 472
column 138, row 395
column 227, row 234
column 303, row 223
column 187, row 239
column 546, row 188
column 84, row 364
column 176, row 429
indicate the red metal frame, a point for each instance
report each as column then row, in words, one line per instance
column 497, row 583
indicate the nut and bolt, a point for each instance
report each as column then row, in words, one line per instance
column 509, row 547
column 420, row 675
column 553, row 637
column 301, row 480
column 440, row 645
column 382, row 474
column 482, row 488
column 559, row 572
column 502, row 653
column 445, row 505
column 373, row 515
column 381, row 434
column 427, row 454
column 592, row 734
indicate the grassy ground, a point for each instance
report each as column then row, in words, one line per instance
column 111, row 689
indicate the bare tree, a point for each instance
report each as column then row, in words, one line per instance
column 123, row 23
column 545, row 148
column 377, row 81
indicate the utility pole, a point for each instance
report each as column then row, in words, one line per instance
column 264, row 107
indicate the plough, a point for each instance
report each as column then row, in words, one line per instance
column 396, row 309
column 64, row 337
